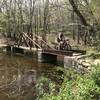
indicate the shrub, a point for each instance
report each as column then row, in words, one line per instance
column 76, row 86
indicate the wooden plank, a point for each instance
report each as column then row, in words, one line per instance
column 79, row 51
column 28, row 48
column 58, row 52
column 3, row 45
column 32, row 40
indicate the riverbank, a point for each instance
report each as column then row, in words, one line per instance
column 74, row 87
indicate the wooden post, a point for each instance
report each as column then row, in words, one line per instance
column 39, row 56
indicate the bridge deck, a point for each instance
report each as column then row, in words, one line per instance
column 3, row 45
column 53, row 51
column 47, row 51
column 28, row 48
column 58, row 52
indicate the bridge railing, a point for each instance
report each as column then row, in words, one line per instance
column 45, row 43
column 24, row 39
column 34, row 42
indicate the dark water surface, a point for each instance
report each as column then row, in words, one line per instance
column 18, row 75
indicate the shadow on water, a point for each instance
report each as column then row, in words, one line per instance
column 18, row 75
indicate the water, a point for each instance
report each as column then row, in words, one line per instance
column 18, row 75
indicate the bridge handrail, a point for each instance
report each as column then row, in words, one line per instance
column 45, row 43
column 32, row 40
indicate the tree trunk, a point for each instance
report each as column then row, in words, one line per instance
column 76, row 10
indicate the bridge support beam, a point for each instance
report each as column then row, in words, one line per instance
column 18, row 50
column 47, row 58
column 10, row 49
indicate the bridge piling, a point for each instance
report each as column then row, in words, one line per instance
column 9, row 49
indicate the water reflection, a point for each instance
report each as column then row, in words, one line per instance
column 18, row 76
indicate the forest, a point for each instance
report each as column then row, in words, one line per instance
column 37, row 24
column 77, row 17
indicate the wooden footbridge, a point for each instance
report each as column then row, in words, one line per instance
column 26, row 43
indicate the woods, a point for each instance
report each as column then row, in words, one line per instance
column 49, row 17
column 50, row 49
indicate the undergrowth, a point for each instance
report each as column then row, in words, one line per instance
column 74, row 86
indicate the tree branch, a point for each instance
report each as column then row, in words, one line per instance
column 76, row 10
